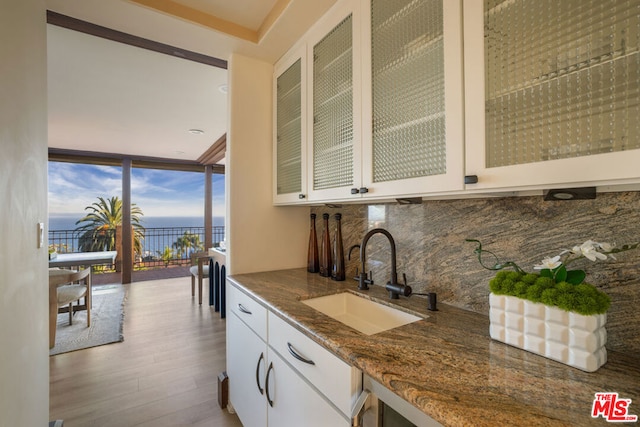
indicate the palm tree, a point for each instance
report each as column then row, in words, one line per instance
column 187, row 241
column 99, row 228
column 166, row 255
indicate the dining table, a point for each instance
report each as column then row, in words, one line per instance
column 86, row 259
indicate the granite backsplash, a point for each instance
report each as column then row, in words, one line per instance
column 432, row 251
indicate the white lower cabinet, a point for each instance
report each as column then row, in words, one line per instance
column 339, row 382
column 278, row 376
column 293, row 402
column 246, row 368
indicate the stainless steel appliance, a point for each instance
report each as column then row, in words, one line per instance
column 378, row 406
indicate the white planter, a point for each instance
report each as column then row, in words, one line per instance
column 570, row 338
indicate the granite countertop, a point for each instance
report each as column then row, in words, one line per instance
column 447, row 365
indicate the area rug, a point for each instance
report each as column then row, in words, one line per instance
column 107, row 315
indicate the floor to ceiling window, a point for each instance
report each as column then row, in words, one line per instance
column 168, row 208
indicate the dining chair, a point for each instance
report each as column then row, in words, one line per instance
column 65, row 287
column 199, row 269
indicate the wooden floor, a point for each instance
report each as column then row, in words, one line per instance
column 163, row 374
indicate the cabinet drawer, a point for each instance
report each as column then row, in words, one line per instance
column 335, row 379
column 247, row 309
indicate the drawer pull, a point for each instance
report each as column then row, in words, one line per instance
column 295, row 354
column 244, row 310
column 260, row 359
column 266, row 386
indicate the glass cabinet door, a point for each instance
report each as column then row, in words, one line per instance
column 407, row 66
column 333, row 109
column 334, row 104
column 561, row 91
column 413, row 90
column 289, row 130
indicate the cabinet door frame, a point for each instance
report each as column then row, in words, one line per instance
column 330, row 20
column 295, row 402
column 453, row 178
column 598, row 169
column 298, row 52
column 249, row 404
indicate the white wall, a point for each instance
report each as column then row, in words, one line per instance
column 260, row 237
column 24, row 353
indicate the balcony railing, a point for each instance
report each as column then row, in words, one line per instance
column 161, row 247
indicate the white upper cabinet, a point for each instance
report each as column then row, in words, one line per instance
column 334, row 94
column 290, row 127
column 552, row 92
column 407, row 98
column 412, row 97
column 385, row 100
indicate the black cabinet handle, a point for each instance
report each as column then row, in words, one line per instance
column 360, row 190
column 471, row 179
column 260, row 359
column 295, row 354
column 266, row 386
column 301, row 196
column 244, row 310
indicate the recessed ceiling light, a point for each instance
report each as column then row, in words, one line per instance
column 223, row 88
column 196, row 131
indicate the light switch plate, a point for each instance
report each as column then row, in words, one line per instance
column 40, row 234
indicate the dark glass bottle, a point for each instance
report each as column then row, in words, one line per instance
column 325, row 249
column 337, row 272
column 313, row 262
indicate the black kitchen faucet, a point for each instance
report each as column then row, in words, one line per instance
column 395, row 289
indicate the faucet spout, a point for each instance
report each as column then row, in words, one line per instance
column 392, row 286
column 363, row 251
column 351, row 250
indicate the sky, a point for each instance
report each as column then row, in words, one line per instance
column 72, row 187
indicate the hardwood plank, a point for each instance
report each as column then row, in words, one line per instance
column 163, row 374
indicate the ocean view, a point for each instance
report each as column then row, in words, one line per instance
column 68, row 221
column 154, row 241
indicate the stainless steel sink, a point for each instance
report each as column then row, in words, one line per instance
column 364, row 315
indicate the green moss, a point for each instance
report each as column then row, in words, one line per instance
column 549, row 297
column 534, row 292
column 584, row 298
column 520, row 289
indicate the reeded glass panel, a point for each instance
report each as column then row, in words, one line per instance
column 288, row 122
column 408, row 89
column 333, row 109
column 562, row 79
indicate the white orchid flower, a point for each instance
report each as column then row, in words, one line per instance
column 589, row 250
column 608, row 247
column 548, row 263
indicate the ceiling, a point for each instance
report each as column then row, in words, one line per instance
column 110, row 97
column 247, row 13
